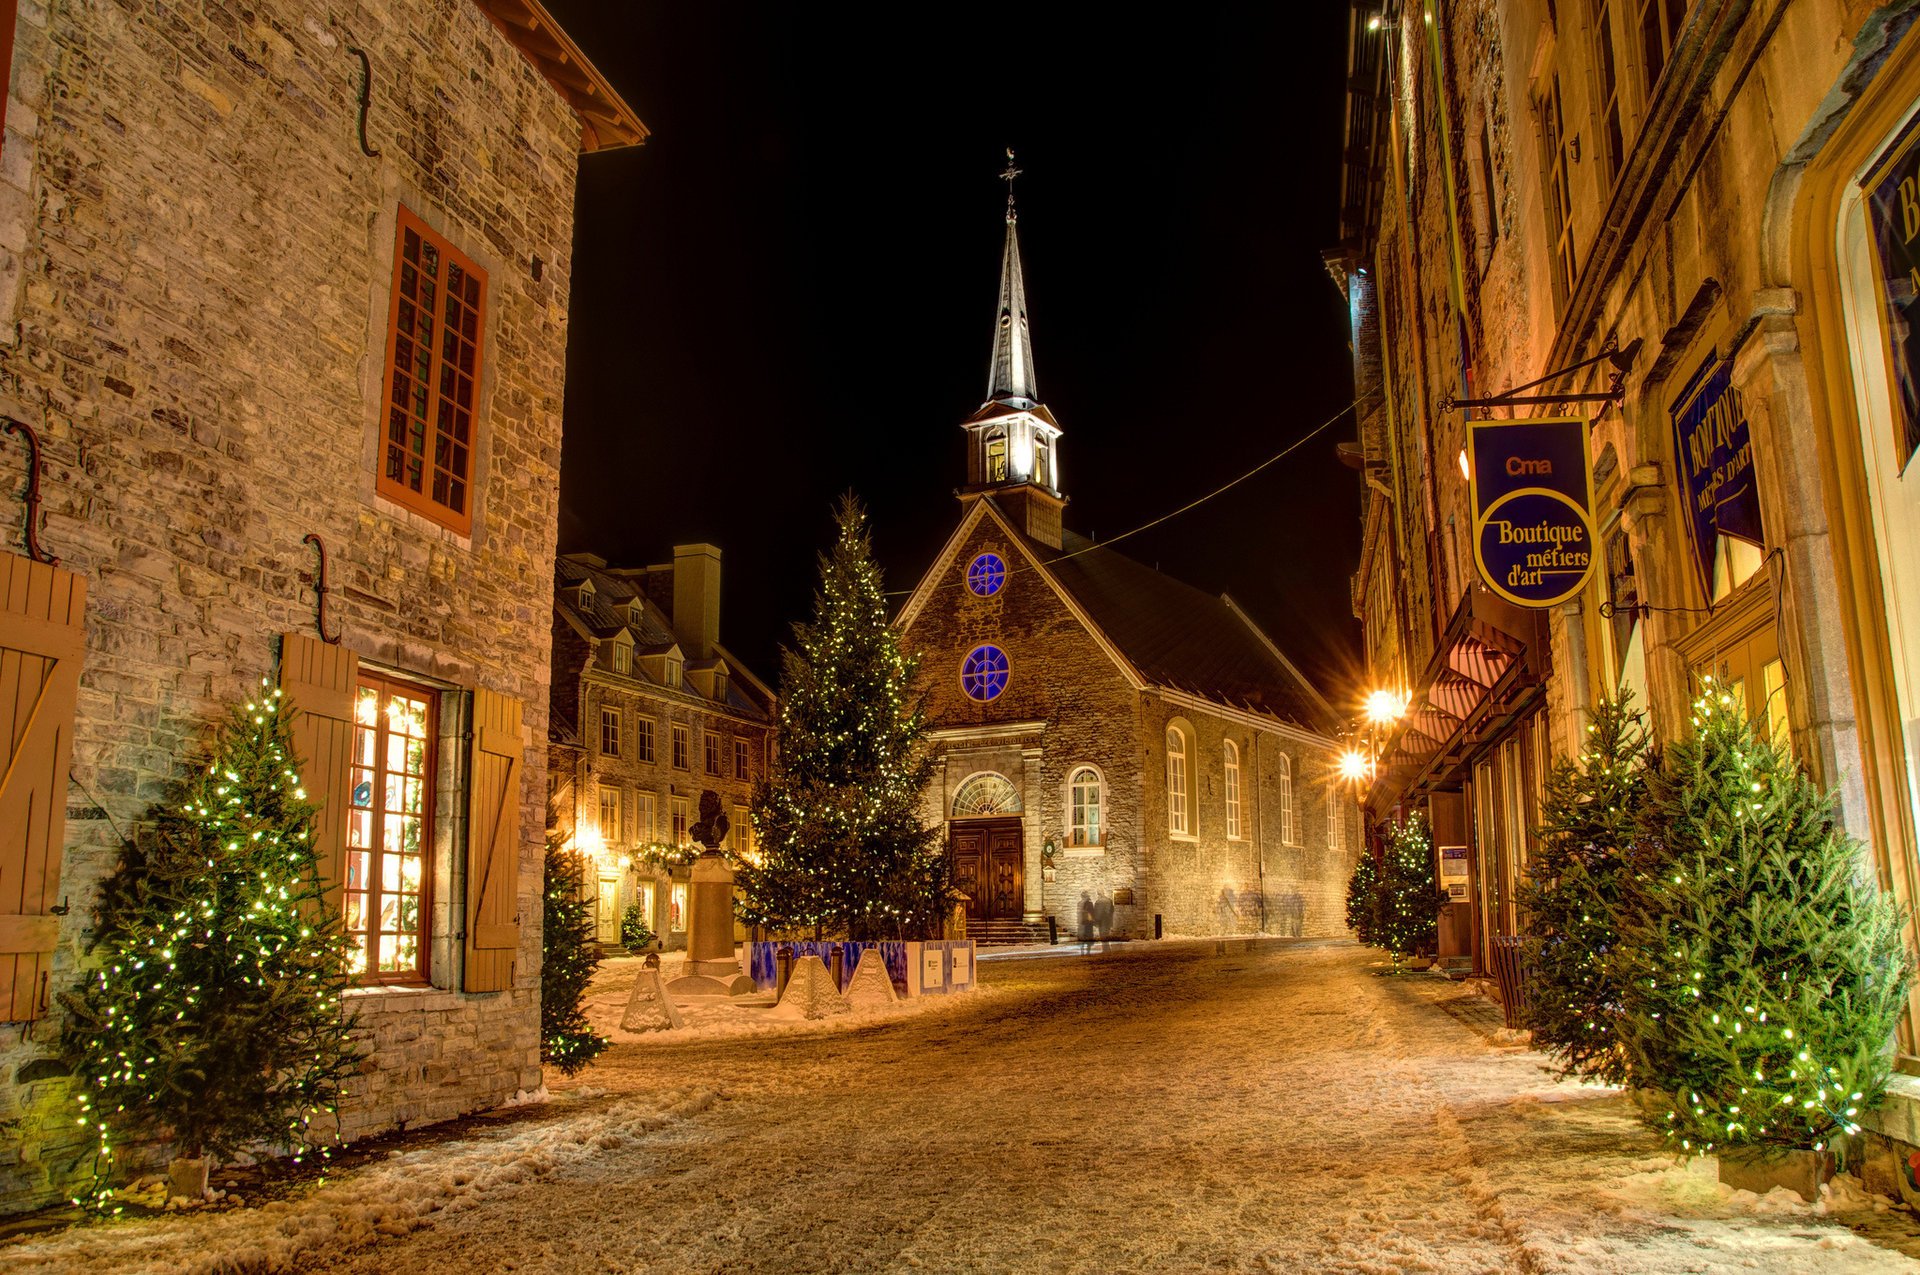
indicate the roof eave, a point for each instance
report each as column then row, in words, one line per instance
column 606, row 121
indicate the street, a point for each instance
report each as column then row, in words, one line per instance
column 1255, row 1105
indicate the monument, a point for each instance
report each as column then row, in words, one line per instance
column 712, row 969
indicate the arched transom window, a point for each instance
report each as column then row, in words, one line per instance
column 1179, row 821
column 1084, row 791
column 986, row 793
column 1233, row 789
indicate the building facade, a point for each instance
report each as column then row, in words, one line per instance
column 1114, row 749
column 282, row 296
column 1698, row 222
column 649, row 711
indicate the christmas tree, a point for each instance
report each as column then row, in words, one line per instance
column 841, row 845
column 568, row 958
column 1572, row 895
column 1406, row 919
column 211, row 1014
column 1764, row 972
column 1363, row 899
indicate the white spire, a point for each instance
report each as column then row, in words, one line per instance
column 1011, row 375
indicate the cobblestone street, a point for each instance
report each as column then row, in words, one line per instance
column 1261, row 1106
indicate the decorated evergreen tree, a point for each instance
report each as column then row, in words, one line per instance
column 211, row 1011
column 1406, row 920
column 568, row 958
column 1573, row 891
column 1363, row 899
column 1764, row 972
column 841, row 845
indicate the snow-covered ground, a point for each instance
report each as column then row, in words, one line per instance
column 1255, row 1107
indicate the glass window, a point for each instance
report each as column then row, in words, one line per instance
column 1085, row 792
column 610, row 732
column 986, row 574
column 740, row 753
column 390, row 827
column 610, row 816
column 643, row 739
column 743, row 832
column 997, row 459
column 986, row 793
column 1233, row 789
column 680, row 824
column 677, row 906
column 1559, row 198
column 643, row 818
column 622, row 658
column 983, row 674
column 1283, row 774
column 710, row 748
column 681, row 747
column 1042, row 461
column 1177, row 821
column 1659, row 27
column 1333, row 816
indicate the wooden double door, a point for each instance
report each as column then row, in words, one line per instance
column 989, row 867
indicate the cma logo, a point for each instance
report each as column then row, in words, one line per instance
column 1518, row 467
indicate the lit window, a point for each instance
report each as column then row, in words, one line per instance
column 1177, row 821
column 610, row 816
column 997, row 459
column 1233, row 789
column 390, row 827
column 1084, row 789
column 433, row 376
column 677, row 906
column 985, row 793
column 983, row 674
column 680, row 821
column 986, row 574
column 1042, row 462
column 742, row 832
column 643, row 825
column 681, row 743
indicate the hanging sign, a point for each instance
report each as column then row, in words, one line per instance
column 1893, row 211
column 1533, row 533
column 1714, row 449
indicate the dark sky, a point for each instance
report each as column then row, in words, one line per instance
column 789, row 290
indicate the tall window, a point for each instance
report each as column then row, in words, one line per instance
column 1612, row 137
column 610, row 732
column 390, row 828
column 1233, row 789
column 680, row 742
column 1042, row 461
column 1283, row 773
column 622, row 659
column 739, row 759
column 742, row 832
column 433, row 375
column 644, row 829
column 1554, row 145
column 1177, row 821
column 711, row 748
column 997, row 458
column 1659, row 27
column 1084, row 789
column 610, row 816
column 1333, row 815
column 643, row 739
column 679, row 821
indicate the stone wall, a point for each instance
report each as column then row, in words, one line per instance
column 195, row 262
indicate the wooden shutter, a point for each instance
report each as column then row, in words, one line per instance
column 493, row 842
column 318, row 681
column 43, row 635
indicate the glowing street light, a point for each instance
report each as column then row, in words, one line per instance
column 1384, row 707
column 1355, row 765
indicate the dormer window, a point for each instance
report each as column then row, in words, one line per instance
column 623, row 658
column 586, row 594
column 676, row 673
column 719, row 686
column 635, row 611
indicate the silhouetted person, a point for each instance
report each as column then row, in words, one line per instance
column 1103, row 919
column 1086, row 922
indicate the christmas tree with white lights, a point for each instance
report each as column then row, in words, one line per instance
column 841, row 846
column 1406, row 917
column 211, row 1014
column 568, row 959
column 1764, row 971
column 1363, row 899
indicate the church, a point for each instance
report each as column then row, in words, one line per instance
column 1112, row 747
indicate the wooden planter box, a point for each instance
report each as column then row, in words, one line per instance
column 1760, row 1171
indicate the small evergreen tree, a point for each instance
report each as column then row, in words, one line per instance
column 211, row 1012
column 1407, row 918
column 841, row 845
column 635, row 934
column 1363, row 899
column 1764, row 972
column 568, row 959
column 1572, row 896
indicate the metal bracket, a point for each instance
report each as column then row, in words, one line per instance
column 32, row 535
column 1616, row 390
column 366, row 100
column 320, row 590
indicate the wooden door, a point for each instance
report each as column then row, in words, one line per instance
column 608, row 910
column 968, row 847
column 1006, row 858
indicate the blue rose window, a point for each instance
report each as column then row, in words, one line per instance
column 983, row 674
column 985, row 575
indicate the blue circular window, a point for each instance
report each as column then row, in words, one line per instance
column 986, row 574
column 983, row 674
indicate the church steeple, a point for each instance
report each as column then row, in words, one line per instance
column 1013, row 442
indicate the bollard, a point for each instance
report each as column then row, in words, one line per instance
column 839, row 967
column 782, row 969
column 1156, row 925
column 1053, row 931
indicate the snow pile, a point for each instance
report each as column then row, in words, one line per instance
column 415, row 1190
column 648, row 1008
column 810, row 992
column 870, row 986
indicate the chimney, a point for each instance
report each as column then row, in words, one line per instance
column 696, row 599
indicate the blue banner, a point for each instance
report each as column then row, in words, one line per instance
column 1533, row 533
column 1713, row 451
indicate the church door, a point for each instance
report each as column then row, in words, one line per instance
column 989, row 867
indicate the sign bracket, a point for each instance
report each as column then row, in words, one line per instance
column 1616, row 390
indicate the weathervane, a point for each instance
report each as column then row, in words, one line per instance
column 1008, row 175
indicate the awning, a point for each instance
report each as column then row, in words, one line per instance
column 1490, row 666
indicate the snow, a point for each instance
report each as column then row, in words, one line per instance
column 1248, row 1106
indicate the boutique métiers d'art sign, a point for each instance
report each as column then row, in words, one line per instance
column 1533, row 533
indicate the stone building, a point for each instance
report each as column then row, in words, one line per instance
column 1698, row 221
column 268, row 273
column 648, row 711
column 1111, row 744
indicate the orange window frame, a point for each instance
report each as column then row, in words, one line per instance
column 430, row 399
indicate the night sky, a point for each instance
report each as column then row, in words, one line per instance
column 789, row 290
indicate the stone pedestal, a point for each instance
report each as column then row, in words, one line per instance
column 712, row 969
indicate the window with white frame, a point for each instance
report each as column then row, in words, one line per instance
column 1178, row 789
column 1084, row 793
column 610, row 732
column 739, row 759
column 644, row 828
column 682, row 739
column 1233, row 789
column 1333, row 816
column 622, row 658
column 680, row 823
column 1283, row 777
column 643, row 739
column 610, row 816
